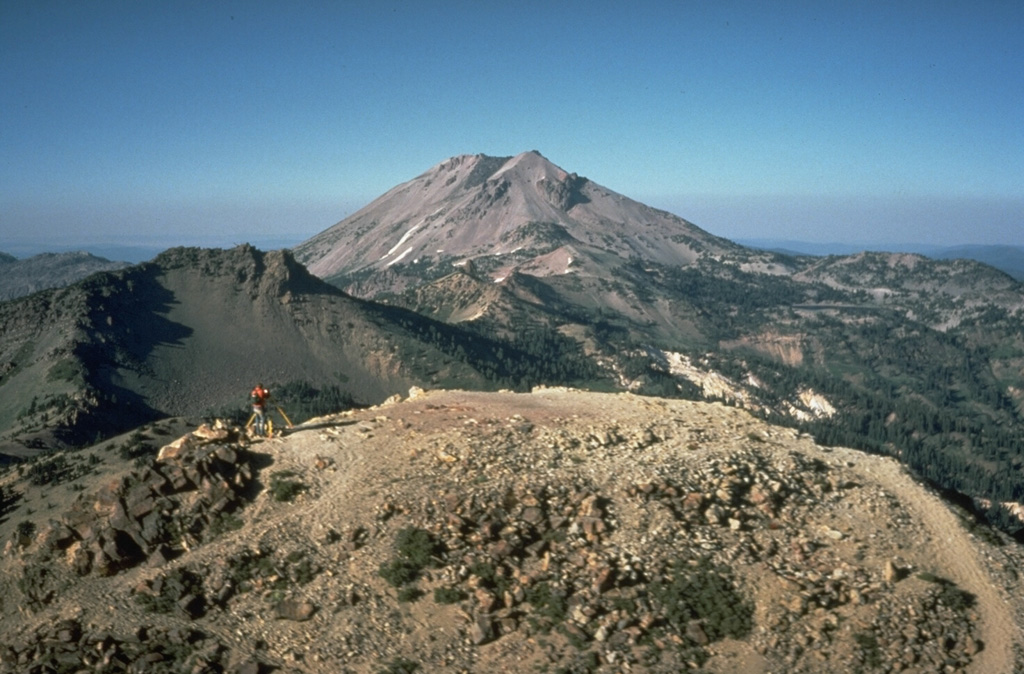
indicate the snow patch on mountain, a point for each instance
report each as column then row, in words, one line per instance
column 399, row 258
column 405, row 237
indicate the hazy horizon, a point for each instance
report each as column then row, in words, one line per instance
column 207, row 123
column 127, row 252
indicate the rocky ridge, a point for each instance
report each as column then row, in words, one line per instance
column 552, row 531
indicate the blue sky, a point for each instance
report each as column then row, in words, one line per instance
column 218, row 122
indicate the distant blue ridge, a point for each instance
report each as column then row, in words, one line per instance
column 1009, row 259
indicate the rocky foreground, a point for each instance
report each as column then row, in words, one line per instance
column 556, row 531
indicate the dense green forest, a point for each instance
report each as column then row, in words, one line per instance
column 535, row 354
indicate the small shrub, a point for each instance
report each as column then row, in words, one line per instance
column 400, row 665
column 175, row 585
column 490, row 578
column 449, row 595
column 399, row 572
column 284, row 490
column 417, row 545
column 869, row 648
column 38, row 584
column 302, row 569
column 548, row 602
column 956, row 599
column 249, row 566
column 223, row 524
column 409, row 594
column 134, row 449
column 706, row 593
column 65, row 370
column 416, row 549
column 27, row 529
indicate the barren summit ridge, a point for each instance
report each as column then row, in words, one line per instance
column 551, row 531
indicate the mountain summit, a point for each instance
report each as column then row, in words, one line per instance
column 506, row 214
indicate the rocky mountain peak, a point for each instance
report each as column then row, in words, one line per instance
column 471, row 170
column 503, row 213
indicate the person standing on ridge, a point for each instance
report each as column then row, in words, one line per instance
column 258, row 398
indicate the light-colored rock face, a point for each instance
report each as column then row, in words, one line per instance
column 461, row 531
column 818, row 404
column 806, row 404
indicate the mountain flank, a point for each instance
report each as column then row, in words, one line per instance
column 458, row 531
column 1009, row 259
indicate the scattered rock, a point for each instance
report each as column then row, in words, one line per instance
column 890, row 573
column 294, row 609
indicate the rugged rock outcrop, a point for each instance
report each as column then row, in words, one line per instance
column 147, row 516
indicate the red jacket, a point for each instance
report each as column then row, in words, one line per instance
column 259, row 396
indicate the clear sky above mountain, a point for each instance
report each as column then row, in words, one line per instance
column 214, row 123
